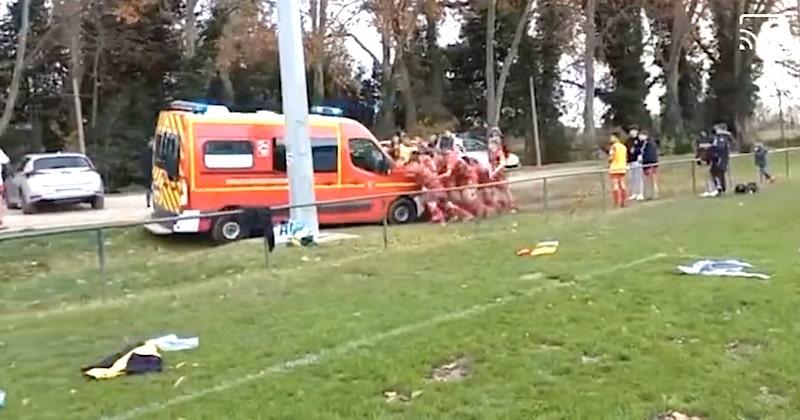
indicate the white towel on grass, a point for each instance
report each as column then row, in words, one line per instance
column 724, row 268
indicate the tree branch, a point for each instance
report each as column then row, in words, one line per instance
column 364, row 47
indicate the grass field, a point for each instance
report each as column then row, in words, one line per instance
column 602, row 330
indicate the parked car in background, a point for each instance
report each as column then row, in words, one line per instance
column 59, row 178
column 477, row 149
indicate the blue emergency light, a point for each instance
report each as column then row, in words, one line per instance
column 193, row 107
column 327, row 110
column 198, row 108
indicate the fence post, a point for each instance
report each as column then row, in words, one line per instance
column 603, row 191
column 786, row 158
column 545, row 205
column 101, row 254
column 693, row 164
column 385, row 226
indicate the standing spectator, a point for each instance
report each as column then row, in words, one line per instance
column 146, row 165
column 636, row 179
column 4, row 160
column 617, row 169
column 760, row 154
column 650, row 155
column 720, row 157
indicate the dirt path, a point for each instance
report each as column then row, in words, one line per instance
column 118, row 208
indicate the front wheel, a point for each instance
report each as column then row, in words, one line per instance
column 402, row 211
column 228, row 229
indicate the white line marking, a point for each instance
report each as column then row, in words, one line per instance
column 623, row 266
column 320, row 356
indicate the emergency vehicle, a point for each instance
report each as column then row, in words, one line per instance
column 208, row 159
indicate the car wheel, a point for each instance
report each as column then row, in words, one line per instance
column 228, row 229
column 27, row 208
column 402, row 211
column 99, row 202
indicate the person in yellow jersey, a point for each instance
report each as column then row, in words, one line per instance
column 618, row 168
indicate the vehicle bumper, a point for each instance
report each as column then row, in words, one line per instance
column 67, row 196
column 192, row 225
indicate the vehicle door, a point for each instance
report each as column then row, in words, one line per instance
column 366, row 166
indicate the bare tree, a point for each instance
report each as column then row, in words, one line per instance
column 511, row 57
column 19, row 64
column 319, row 31
column 190, row 29
column 681, row 18
column 491, row 23
column 590, row 49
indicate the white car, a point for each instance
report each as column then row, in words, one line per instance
column 476, row 149
column 62, row 178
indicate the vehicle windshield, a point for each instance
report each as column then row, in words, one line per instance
column 61, row 162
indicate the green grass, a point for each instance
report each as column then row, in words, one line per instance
column 583, row 334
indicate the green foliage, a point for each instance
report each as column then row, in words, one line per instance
column 538, row 57
column 732, row 94
column 620, row 25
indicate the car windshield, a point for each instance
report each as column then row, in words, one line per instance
column 61, row 162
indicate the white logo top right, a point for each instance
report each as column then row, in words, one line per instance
column 774, row 41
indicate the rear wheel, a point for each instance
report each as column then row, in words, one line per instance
column 228, row 229
column 402, row 211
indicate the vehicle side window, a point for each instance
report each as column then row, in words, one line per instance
column 324, row 153
column 365, row 154
column 167, row 151
column 228, row 154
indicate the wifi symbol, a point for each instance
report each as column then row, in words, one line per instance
column 747, row 39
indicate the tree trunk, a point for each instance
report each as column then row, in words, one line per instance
column 738, row 58
column 588, row 58
column 386, row 122
column 673, row 117
column 318, row 58
column 490, row 61
column 76, row 97
column 190, row 29
column 19, row 64
column 228, row 91
column 96, row 81
column 75, row 32
column 509, row 61
column 406, row 92
column 435, row 103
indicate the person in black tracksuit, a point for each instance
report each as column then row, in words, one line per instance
column 720, row 157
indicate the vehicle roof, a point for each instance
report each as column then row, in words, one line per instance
column 261, row 117
column 55, row 154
